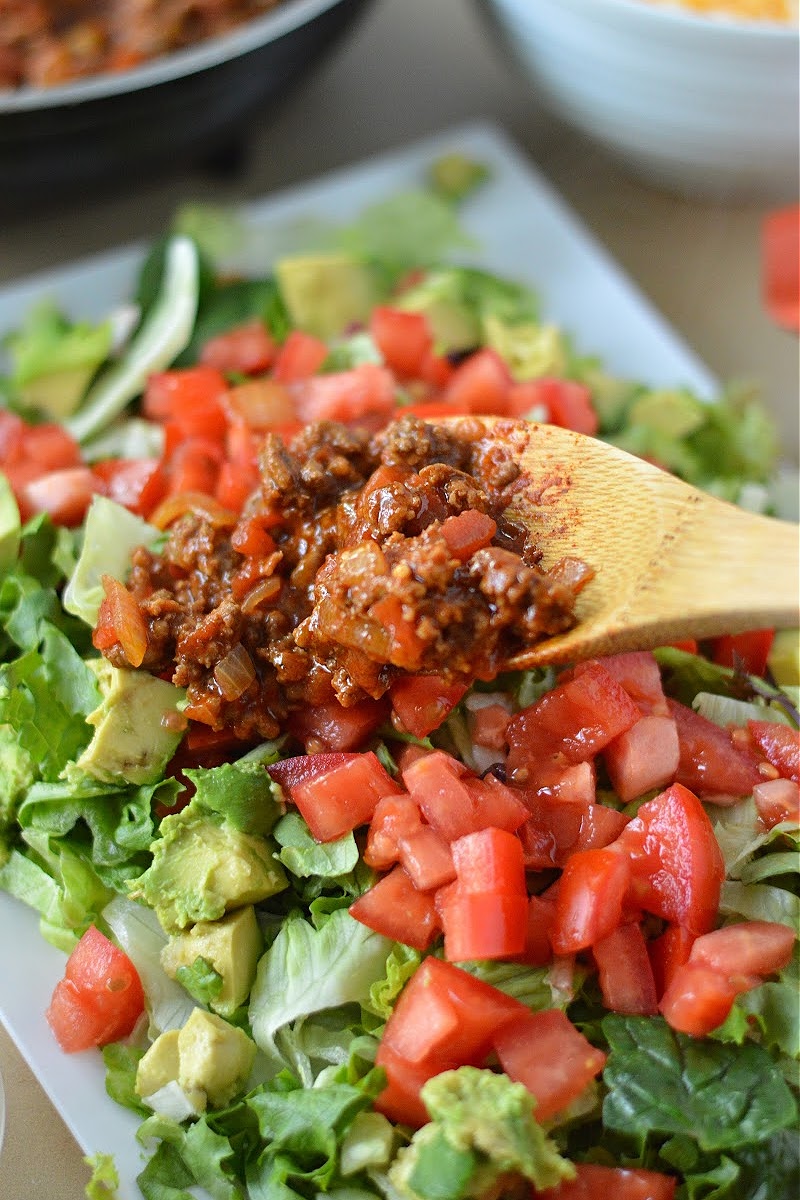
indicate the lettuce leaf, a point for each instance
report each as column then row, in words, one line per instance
column 717, row 1095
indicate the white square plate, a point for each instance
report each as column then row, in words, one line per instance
column 523, row 230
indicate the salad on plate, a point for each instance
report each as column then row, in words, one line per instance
column 350, row 910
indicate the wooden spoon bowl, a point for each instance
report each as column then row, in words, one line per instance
column 670, row 562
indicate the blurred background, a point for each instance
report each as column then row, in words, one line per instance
column 405, row 68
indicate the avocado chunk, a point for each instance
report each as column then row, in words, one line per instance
column 209, row 1060
column 531, row 350
column 783, row 659
column 232, row 946
column 203, row 868
column 324, row 293
column 54, row 360
column 134, row 738
column 671, row 414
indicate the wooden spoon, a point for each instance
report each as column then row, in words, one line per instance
column 670, row 562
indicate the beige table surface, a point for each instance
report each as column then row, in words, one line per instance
column 415, row 67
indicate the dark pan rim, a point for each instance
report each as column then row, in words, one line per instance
column 285, row 18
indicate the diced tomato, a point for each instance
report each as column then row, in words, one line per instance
column 667, row 952
column 595, row 1182
column 576, row 720
column 566, row 403
column 777, row 800
column 194, row 466
column 639, row 673
column 710, row 763
column 748, row 651
column 246, row 349
column 538, row 947
column 289, row 772
column 698, row 999
column 51, row 446
column 337, row 800
column 139, row 484
column 480, row 384
column 332, row 727
column 400, row 1100
column 626, row 977
column 64, row 495
column 644, row 757
column 100, row 998
column 261, row 404
column 484, row 925
column 426, row 857
column 496, row 803
column 406, row 648
column 456, row 803
column 747, row 948
column 780, row 745
column 489, row 860
column 481, row 1011
column 395, row 817
column 545, row 1052
column 190, row 398
column 403, row 338
column 488, row 724
column 346, row 395
column 676, row 862
column 421, row 702
column 235, row 485
column 395, row 908
column 468, row 531
column 300, row 357
column 436, row 370
column 557, row 829
column 12, row 433
column 780, row 249
column 591, row 891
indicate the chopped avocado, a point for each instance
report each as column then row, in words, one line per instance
column 111, row 533
column 214, row 1057
column 133, row 737
column 208, row 1059
column 204, row 867
column 670, row 413
column 458, row 301
column 530, row 350
column 325, row 293
column 231, row 945
column 54, row 360
column 783, row 659
column 455, row 176
column 485, row 1124
column 368, row 1143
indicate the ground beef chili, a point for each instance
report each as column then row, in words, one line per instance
column 359, row 558
column 48, row 42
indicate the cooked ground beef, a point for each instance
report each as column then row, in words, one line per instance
column 48, row 42
column 359, row 558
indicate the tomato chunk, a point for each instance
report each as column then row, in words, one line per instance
column 397, row 909
column 626, row 977
column 395, row 818
column 710, row 764
column 403, row 338
column 338, row 800
column 591, row 891
column 747, row 948
column 484, row 925
column 545, row 1052
column 676, row 863
column 644, row 757
column 64, row 494
column 747, row 651
column 777, row 800
column 575, row 720
column 595, row 1182
column 698, row 998
column 100, row 998
column 489, row 860
column 245, row 349
column 421, row 702
column 780, row 745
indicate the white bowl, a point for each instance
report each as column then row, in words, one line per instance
column 700, row 104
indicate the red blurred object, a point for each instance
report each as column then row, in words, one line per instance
column 780, row 249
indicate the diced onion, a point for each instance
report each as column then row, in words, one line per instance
column 193, row 502
column 235, row 672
